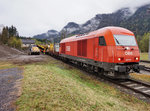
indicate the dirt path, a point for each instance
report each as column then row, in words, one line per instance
column 9, row 88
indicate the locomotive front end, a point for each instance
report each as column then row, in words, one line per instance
column 127, row 54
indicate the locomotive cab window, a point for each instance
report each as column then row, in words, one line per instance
column 125, row 40
column 102, row 41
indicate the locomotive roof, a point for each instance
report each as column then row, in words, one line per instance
column 100, row 32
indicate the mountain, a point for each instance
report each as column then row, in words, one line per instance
column 72, row 28
column 99, row 21
column 137, row 21
column 49, row 34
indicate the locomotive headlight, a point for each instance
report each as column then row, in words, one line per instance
column 119, row 59
column 136, row 58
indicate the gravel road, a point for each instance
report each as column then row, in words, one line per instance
column 9, row 88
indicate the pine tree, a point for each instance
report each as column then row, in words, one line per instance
column 13, row 31
column 5, row 35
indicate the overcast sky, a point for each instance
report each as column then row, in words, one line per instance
column 33, row 17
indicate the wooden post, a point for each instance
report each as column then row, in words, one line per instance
column 149, row 47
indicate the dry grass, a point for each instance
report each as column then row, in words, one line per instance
column 5, row 65
column 143, row 56
column 142, row 77
column 58, row 87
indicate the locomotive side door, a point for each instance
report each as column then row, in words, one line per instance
column 102, row 48
column 96, row 48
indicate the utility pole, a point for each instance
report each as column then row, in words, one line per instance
column 149, row 47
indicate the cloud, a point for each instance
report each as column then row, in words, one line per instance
column 37, row 16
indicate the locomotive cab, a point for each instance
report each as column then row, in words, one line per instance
column 127, row 49
column 119, row 48
column 127, row 53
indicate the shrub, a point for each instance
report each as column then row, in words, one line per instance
column 14, row 42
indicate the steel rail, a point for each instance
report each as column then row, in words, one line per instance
column 139, row 85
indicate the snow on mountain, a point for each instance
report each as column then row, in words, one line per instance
column 91, row 24
column 125, row 13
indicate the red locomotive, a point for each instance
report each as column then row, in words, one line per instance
column 112, row 51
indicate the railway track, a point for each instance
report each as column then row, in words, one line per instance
column 147, row 69
column 135, row 85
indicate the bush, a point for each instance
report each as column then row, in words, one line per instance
column 14, row 42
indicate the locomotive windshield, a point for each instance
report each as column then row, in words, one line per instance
column 125, row 40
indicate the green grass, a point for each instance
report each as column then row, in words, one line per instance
column 143, row 56
column 55, row 86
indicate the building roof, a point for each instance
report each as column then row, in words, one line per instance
column 28, row 41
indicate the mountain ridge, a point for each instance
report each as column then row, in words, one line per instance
column 123, row 17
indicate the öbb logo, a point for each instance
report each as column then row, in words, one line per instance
column 128, row 53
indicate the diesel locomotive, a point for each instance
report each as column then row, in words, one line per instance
column 111, row 51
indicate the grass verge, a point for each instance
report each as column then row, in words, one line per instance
column 55, row 86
